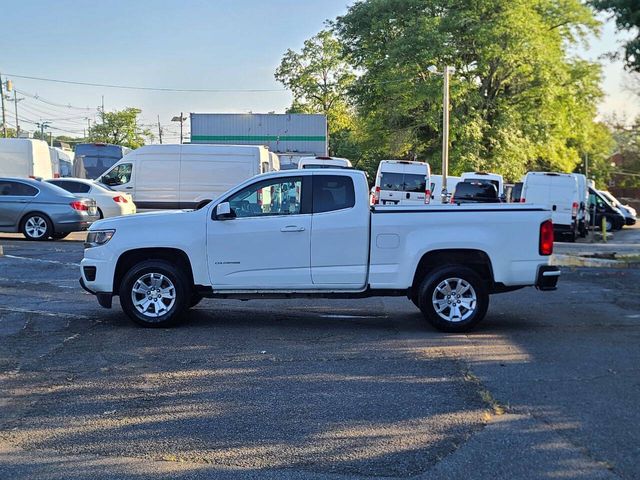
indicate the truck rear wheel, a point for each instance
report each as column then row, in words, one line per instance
column 453, row 298
column 155, row 293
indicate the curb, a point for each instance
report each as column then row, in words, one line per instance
column 577, row 261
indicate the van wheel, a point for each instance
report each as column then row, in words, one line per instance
column 155, row 293
column 36, row 226
column 608, row 225
column 453, row 299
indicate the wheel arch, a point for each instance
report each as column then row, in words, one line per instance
column 477, row 260
column 126, row 260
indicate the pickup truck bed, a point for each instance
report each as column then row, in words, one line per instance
column 313, row 233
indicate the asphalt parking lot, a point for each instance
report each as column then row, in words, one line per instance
column 548, row 386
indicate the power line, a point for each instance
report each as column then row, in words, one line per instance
column 49, row 102
column 155, row 89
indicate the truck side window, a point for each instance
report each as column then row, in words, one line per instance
column 332, row 192
column 118, row 176
column 280, row 196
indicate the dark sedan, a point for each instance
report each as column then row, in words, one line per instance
column 42, row 211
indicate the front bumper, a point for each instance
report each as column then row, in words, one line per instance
column 104, row 299
column 547, row 278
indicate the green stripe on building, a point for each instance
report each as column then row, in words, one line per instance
column 258, row 138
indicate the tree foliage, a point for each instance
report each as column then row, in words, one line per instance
column 627, row 140
column 120, row 128
column 519, row 101
column 319, row 77
column 627, row 17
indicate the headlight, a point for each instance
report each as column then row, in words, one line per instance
column 98, row 237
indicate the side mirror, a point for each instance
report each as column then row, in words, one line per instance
column 224, row 211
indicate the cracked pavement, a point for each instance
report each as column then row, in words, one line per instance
column 546, row 387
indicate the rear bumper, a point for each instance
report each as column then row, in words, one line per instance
column 547, row 277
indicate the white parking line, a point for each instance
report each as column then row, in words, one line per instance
column 45, row 313
column 41, row 260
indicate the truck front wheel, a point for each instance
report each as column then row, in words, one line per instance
column 155, row 293
column 453, row 298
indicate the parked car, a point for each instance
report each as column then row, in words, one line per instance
column 109, row 202
column 93, row 159
column 495, row 179
column 628, row 211
column 601, row 209
column 25, row 158
column 436, row 187
column 241, row 246
column 324, row 162
column 558, row 192
column 42, row 211
column 185, row 176
column 475, row 191
column 401, row 182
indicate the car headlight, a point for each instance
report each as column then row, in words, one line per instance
column 98, row 237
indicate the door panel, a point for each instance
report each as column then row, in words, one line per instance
column 340, row 236
column 14, row 198
column 267, row 245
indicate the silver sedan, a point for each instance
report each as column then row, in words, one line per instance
column 42, row 211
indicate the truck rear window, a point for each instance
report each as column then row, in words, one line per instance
column 403, row 182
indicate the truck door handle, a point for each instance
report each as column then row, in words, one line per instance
column 554, row 208
column 128, row 188
column 292, row 228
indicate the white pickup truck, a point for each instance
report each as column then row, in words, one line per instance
column 304, row 233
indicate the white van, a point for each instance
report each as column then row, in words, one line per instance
column 400, row 182
column 62, row 162
column 436, row 187
column 492, row 178
column 25, row 158
column 185, row 176
column 559, row 193
column 324, row 162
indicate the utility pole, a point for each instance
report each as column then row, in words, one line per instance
column 445, row 133
column 180, row 119
column 102, row 111
column 15, row 101
column 50, row 139
column 159, row 130
column 586, row 165
column 4, row 118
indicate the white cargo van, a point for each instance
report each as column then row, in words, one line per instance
column 436, row 187
column 185, row 176
column 400, row 182
column 559, row 192
column 324, row 162
column 25, row 158
column 62, row 162
column 492, row 178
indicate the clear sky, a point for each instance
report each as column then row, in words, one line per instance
column 214, row 44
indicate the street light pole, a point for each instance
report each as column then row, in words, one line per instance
column 445, row 133
column 4, row 118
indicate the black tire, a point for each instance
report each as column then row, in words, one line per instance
column 608, row 225
column 454, row 273
column 181, row 292
column 60, row 236
column 30, row 223
column 195, row 299
column 100, row 214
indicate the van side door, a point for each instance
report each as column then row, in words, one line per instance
column 340, row 232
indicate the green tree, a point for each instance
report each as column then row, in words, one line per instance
column 319, row 77
column 519, row 101
column 627, row 144
column 120, row 128
column 627, row 16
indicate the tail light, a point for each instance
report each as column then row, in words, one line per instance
column 120, row 199
column 80, row 206
column 574, row 209
column 376, row 196
column 452, row 199
column 522, row 200
column 546, row 238
column 427, row 196
column 56, row 175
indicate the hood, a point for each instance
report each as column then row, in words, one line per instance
column 140, row 219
